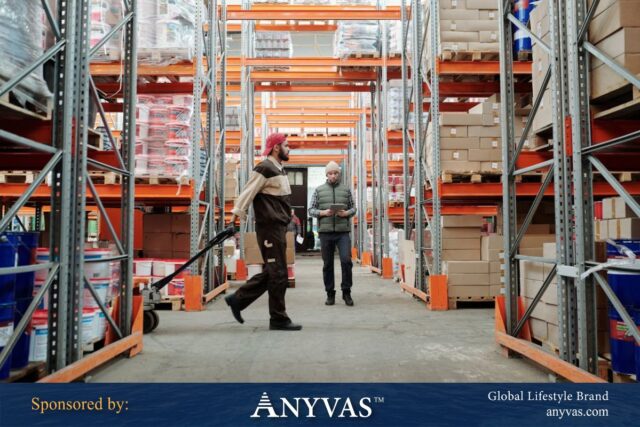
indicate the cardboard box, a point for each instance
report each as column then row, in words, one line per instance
column 180, row 223
column 461, row 119
column 484, row 47
column 454, row 155
column 481, row 4
column 157, row 223
column 180, row 242
column 621, row 209
column 495, row 267
column 608, row 208
column 461, row 244
column 459, row 15
column 533, row 270
column 454, row 132
column 489, row 36
column 550, row 296
column 488, row 14
column 485, row 131
column 478, row 279
column 459, row 143
column 612, row 228
column 495, row 167
column 623, row 42
column 553, row 334
column 253, row 256
column 462, row 221
column 495, row 279
column 158, row 253
column 551, row 313
column 490, row 155
column 466, row 25
column 529, row 288
column 539, row 229
column 628, row 228
column 605, row 83
column 468, row 291
column 460, row 255
column 157, row 241
column 291, row 256
column 466, row 267
column 538, row 329
column 490, row 144
column 536, row 240
column 539, row 311
column 495, row 290
column 460, row 233
column 622, row 13
column 490, row 246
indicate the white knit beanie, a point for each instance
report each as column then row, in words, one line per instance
column 331, row 167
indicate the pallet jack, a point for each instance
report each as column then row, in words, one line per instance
column 151, row 293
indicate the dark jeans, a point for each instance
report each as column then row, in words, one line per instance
column 274, row 278
column 328, row 243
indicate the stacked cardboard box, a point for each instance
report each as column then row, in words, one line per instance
column 466, row 26
column 619, row 221
column 253, row 256
column 615, row 29
column 471, row 142
column 467, row 274
column 491, row 248
column 540, row 25
column 544, row 318
column 231, row 179
column 166, row 235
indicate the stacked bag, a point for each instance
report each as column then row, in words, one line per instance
column 357, row 38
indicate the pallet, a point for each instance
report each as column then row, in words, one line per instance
column 470, row 177
column 292, row 283
column 271, row 68
column 92, row 346
column 532, row 177
column 18, row 104
column 620, row 176
column 524, row 55
column 456, row 303
column 156, row 56
column 619, row 378
column 158, row 180
column 459, row 55
column 33, row 372
column 622, row 103
column 393, row 55
column 171, row 303
column 17, row 177
column 360, row 55
column 105, row 178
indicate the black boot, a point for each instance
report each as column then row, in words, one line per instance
column 346, row 296
column 233, row 305
column 331, row 298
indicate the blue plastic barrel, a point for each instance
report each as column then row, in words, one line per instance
column 636, row 318
column 6, row 330
column 626, row 286
column 623, row 351
column 26, row 243
column 522, row 11
column 7, row 281
column 20, row 353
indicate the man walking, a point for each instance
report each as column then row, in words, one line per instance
column 268, row 188
column 334, row 226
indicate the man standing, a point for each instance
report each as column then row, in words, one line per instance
column 334, row 228
column 268, row 188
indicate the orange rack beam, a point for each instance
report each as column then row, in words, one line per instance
column 308, row 12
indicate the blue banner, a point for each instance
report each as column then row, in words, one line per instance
column 319, row 404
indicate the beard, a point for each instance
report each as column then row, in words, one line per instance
column 283, row 156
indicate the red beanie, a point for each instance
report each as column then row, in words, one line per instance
column 273, row 140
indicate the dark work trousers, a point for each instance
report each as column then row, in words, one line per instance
column 328, row 243
column 274, row 277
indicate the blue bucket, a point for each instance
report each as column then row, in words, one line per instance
column 7, row 281
column 522, row 11
column 626, row 286
column 6, row 330
column 623, row 351
column 26, row 243
column 20, row 353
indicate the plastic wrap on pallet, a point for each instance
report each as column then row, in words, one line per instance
column 105, row 14
column 273, row 44
column 357, row 38
column 164, row 139
column 394, row 106
column 166, row 30
column 21, row 44
column 394, row 37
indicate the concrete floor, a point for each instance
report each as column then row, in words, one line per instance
column 386, row 337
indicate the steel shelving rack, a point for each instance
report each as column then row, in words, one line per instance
column 580, row 147
column 61, row 146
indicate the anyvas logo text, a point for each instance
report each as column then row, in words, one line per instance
column 309, row 407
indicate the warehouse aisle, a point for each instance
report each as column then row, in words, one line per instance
column 386, row 337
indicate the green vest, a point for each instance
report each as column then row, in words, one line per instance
column 329, row 195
